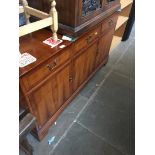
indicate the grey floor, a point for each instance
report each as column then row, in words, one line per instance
column 101, row 119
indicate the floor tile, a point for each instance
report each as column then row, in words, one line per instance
column 115, row 79
column 115, row 55
column 79, row 141
column 99, row 75
column 117, row 92
column 76, row 105
column 21, row 152
column 116, row 127
column 126, row 65
column 132, row 34
column 88, row 90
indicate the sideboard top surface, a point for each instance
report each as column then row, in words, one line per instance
column 33, row 44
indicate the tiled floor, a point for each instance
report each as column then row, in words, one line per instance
column 100, row 120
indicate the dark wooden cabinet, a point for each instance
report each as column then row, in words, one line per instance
column 78, row 16
column 49, row 84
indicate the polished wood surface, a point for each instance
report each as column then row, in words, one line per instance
column 49, row 84
column 49, row 97
column 104, row 46
column 33, row 44
column 83, row 65
column 33, row 78
column 87, row 39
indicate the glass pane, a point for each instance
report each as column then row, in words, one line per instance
column 90, row 5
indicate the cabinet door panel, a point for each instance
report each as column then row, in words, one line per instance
column 49, row 97
column 104, row 46
column 83, row 65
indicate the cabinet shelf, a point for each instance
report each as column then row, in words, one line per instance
column 121, row 21
column 125, row 3
column 116, row 40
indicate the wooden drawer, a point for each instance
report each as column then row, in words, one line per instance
column 33, row 78
column 87, row 39
column 110, row 22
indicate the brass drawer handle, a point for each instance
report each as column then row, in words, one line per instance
column 52, row 66
column 49, row 66
column 110, row 22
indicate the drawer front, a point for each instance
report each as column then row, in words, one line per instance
column 33, row 78
column 110, row 22
column 87, row 39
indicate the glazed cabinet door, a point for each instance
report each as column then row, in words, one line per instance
column 50, row 96
column 83, row 65
column 104, row 46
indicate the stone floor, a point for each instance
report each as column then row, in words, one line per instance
column 101, row 119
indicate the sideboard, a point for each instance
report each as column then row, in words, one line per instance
column 48, row 85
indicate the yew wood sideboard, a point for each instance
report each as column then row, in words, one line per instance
column 48, row 85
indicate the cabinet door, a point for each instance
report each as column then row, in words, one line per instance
column 83, row 65
column 49, row 97
column 104, row 47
